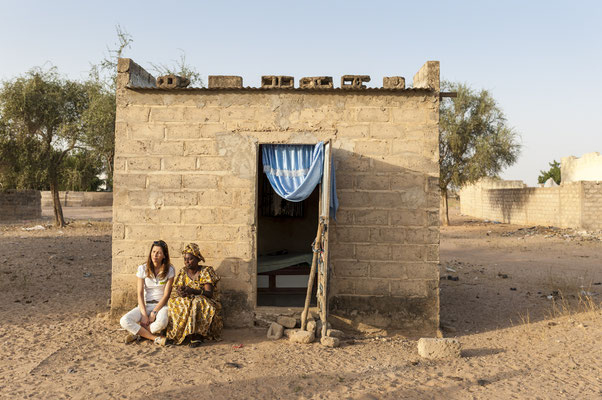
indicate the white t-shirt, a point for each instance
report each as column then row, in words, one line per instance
column 154, row 287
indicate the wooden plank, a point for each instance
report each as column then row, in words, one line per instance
column 323, row 264
column 312, row 274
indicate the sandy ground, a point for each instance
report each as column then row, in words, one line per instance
column 517, row 308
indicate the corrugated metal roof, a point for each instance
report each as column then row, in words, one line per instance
column 256, row 89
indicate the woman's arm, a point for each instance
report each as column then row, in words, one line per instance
column 141, row 305
column 163, row 301
column 207, row 291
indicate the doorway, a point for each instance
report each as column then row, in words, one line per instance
column 285, row 232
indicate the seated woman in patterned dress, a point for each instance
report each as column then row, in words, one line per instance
column 194, row 305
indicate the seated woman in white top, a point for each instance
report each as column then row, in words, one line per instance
column 155, row 279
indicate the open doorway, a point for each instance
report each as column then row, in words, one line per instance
column 285, row 232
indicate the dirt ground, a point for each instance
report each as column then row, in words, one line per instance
column 525, row 307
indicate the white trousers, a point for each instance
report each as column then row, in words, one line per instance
column 131, row 320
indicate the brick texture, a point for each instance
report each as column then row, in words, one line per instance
column 570, row 205
column 20, row 204
column 190, row 165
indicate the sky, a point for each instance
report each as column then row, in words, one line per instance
column 540, row 60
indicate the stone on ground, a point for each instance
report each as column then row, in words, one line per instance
column 311, row 326
column 288, row 332
column 319, row 325
column 287, row 322
column 330, row 341
column 335, row 333
column 299, row 336
column 439, row 348
column 275, row 331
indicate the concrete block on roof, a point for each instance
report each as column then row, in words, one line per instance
column 428, row 76
column 354, row 81
column 225, row 81
column 131, row 74
column 394, row 82
column 172, row 82
column 277, row 82
column 316, row 82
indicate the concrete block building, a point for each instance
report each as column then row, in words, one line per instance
column 188, row 169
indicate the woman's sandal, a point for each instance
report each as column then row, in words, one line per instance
column 195, row 343
column 131, row 338
column 160, row 340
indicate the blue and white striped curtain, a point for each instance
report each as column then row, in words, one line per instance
column 295, row 170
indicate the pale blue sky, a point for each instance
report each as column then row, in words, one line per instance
column 540, row 59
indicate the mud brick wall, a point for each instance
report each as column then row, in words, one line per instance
column 186, row 171
column 79, row 199
column 591, row 204
column 570, row 205
column 18, row 205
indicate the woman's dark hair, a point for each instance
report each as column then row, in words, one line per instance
column 164, row 264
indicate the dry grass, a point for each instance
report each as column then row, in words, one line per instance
column 585, row 303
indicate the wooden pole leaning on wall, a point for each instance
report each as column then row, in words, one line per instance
column 312, row 275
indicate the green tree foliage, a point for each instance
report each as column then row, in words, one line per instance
column 21, row 166
column 475, row 140
column 98, row 120
column 80, row 172
column 41, row 120
column 99, row 117
column 553, row 172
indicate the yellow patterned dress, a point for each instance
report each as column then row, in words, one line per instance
column 194, row 314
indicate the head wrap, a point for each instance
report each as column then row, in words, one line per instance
column 193, row 248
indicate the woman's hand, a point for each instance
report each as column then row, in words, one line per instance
column 152, row 317
column 183, row 291
column 144, row 321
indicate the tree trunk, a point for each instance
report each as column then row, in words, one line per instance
column 109, row 181
column 59, row 220
column 444, row 208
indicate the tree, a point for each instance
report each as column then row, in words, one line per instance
column 99, row 118
column 181, row 68
column 553, row 172
column 105, row 72
column 21, row 166
column 80, row 172
column 475, row 140
column 42, row 112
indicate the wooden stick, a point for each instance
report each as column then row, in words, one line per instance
column 312, row 274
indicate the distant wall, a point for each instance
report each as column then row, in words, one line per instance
column 570, row 205
column 79, row 199
column 20, row 204
column 586, row 168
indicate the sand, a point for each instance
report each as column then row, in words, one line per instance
column 55, row 341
